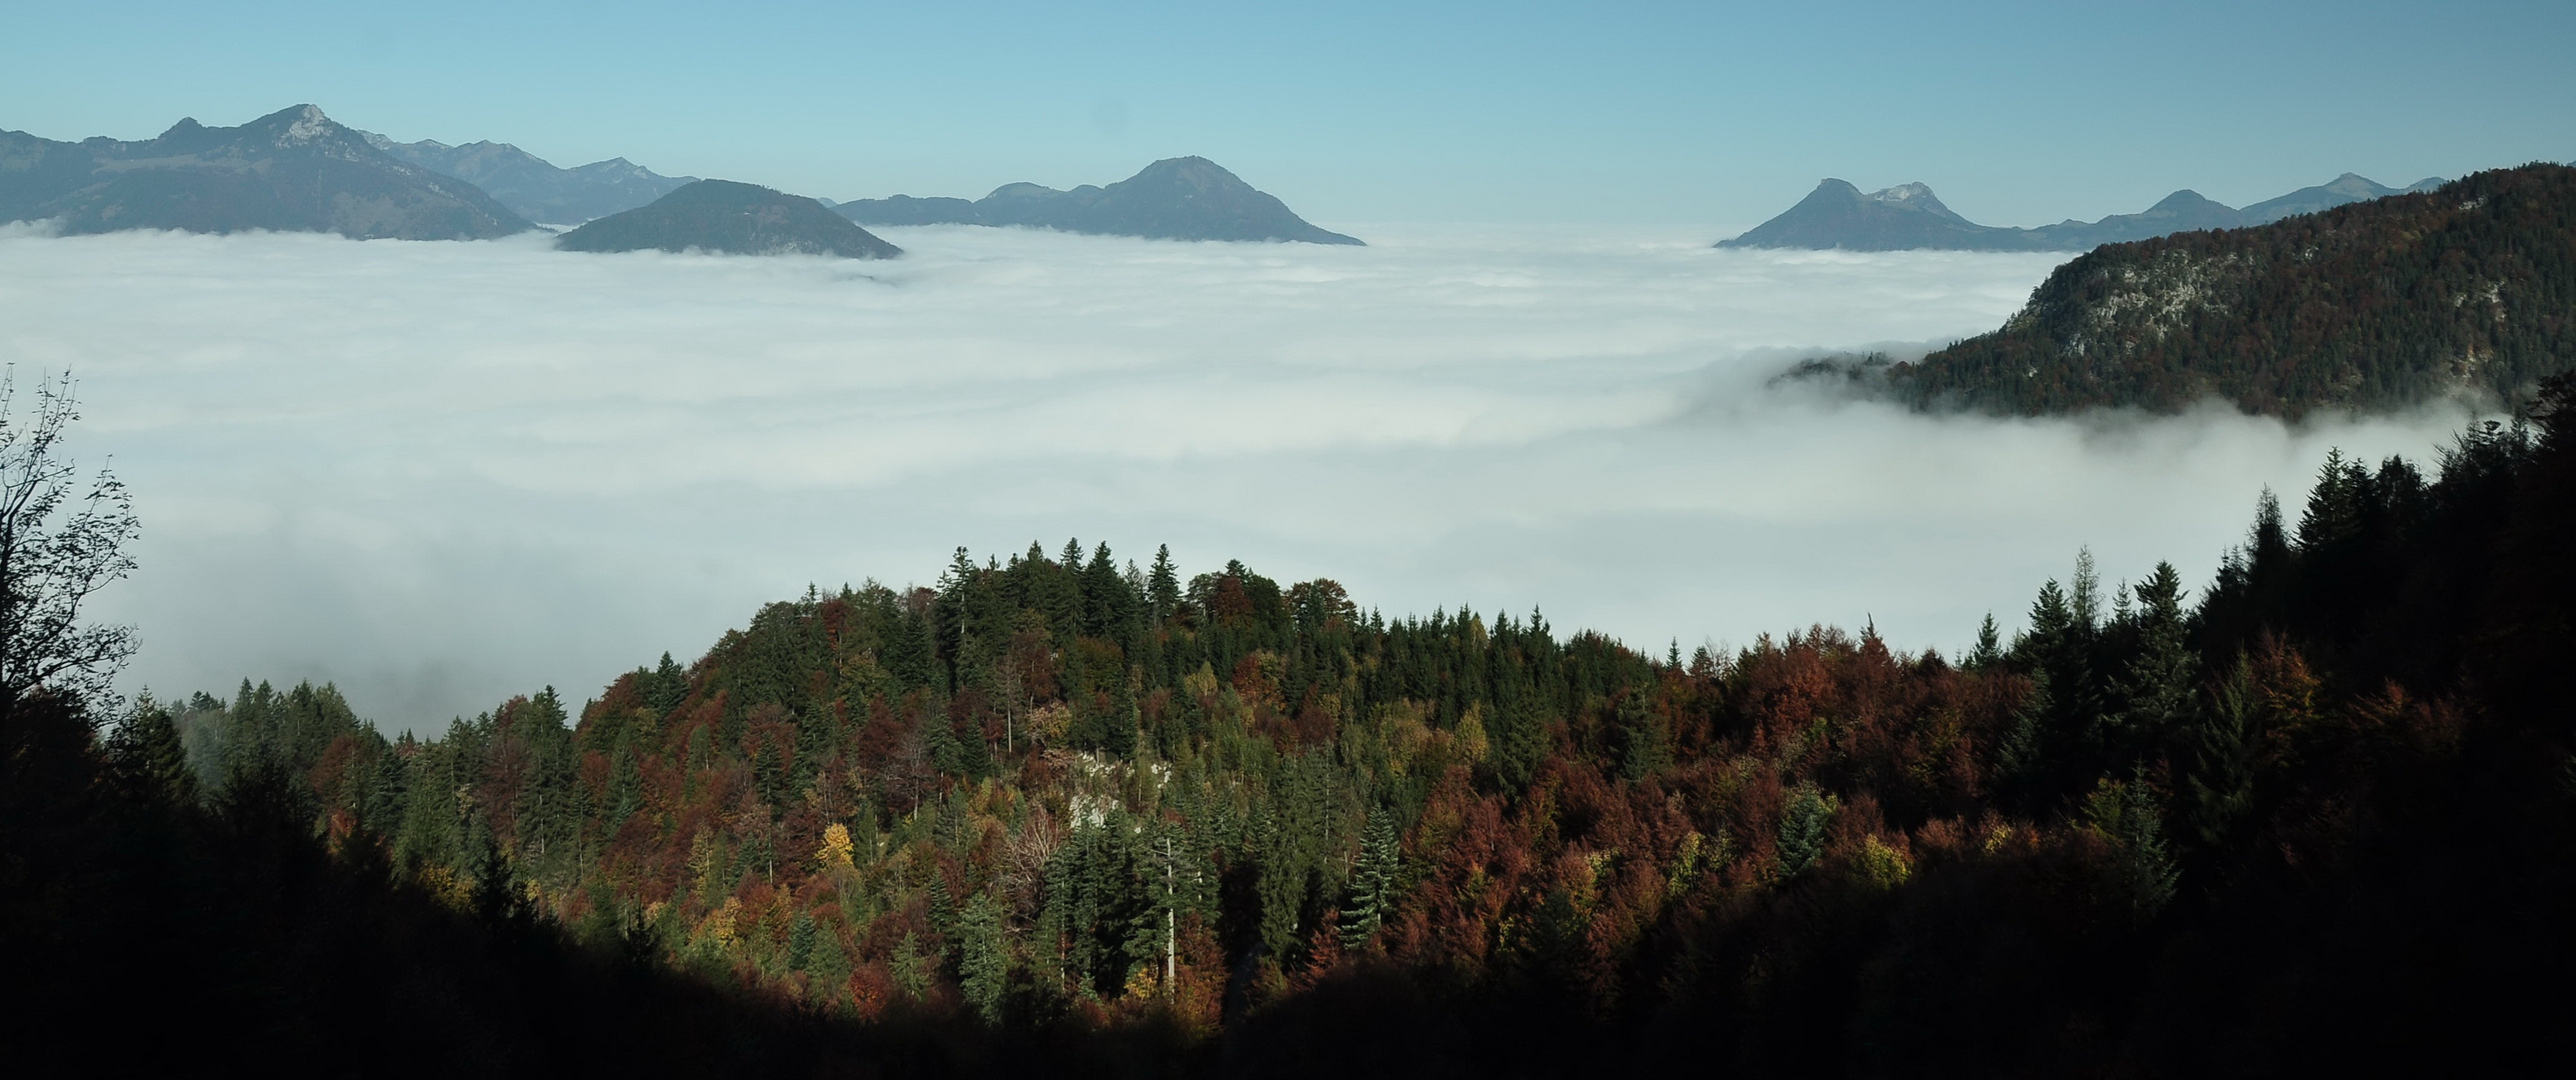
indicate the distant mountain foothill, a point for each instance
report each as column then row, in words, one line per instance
column 1837, row 216
column 1186, row 198
column 534, row 188
column 722, row 216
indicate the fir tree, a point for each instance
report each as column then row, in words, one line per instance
column 2156, row 685
column 1373, row 881
column 1802, row 829
column 1163, row 585
column 1988, row 650
column 984, row 959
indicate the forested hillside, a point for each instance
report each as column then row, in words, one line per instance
column 1062, row 811
column 2470, row 288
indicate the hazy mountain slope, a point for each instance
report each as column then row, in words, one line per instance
column 294, row 170
column 2341, row 191
column 534, row 188
column 1837, row 215
column 2182, row 211
column 2371, row 305
column 731, row 218
column 1908, row 217
column 1188, row 198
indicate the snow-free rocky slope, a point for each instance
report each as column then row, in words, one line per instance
column 535, row 188
column 294, row 170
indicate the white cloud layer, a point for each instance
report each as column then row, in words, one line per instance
column 442, row 473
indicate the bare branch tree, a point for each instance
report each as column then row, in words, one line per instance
column 59, row 545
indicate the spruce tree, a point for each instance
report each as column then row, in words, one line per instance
column 2156, row 686
column 1988, row 650
column 1802, row 829
column 146, row 759
column 984, row 958
column 1373, row 881
column 1163, row 586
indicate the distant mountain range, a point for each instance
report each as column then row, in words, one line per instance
column 1186, row 198
column 1838, row 216
column 292, row 170
column 534, row 188
column 2370, row 305
column 730, row 218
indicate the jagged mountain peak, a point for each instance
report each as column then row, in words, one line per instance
column 293, row 170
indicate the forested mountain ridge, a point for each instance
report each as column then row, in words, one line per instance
column 2470, row 288
column 1909, row 217
column 1230, row 826
column 294, row 170
column 1187, row 198
column 728, row 217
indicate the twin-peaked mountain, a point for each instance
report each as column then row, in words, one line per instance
column 534, row 188
column 1839, row 216
column 292, row 170
column 1186, row 198
column 726, row 217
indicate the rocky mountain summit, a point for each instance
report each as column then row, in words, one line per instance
column 294, row 170
column 727, row 217
column 535, row 188
column 1185, row 198
column 1838, row 215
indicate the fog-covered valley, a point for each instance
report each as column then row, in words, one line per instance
column 443, row 473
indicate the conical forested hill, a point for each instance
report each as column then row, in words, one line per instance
column 1185, row 198
column 731, row 218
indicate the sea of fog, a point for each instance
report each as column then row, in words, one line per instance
column 443, row 473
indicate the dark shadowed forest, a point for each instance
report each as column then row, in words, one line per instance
column 1068, row 813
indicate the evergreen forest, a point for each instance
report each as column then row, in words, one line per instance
column 2466, row 290
column 1082, row 812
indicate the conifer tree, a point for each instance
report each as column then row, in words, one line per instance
column 1163, row 586
column 1988, row 651
column 2157, row 683
column 146, row 757
column 1802, row 829
column 1373, row 881
column 984, row 959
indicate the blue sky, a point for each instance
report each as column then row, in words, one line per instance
column 1704, row 113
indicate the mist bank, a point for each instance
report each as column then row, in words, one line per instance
column 440, row 474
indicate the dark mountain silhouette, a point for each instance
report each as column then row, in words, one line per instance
column 534, row 188
column 731, row 218
column 2378, row 304
column 294, row 171
column 1908, row 217
column 1188, row 198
